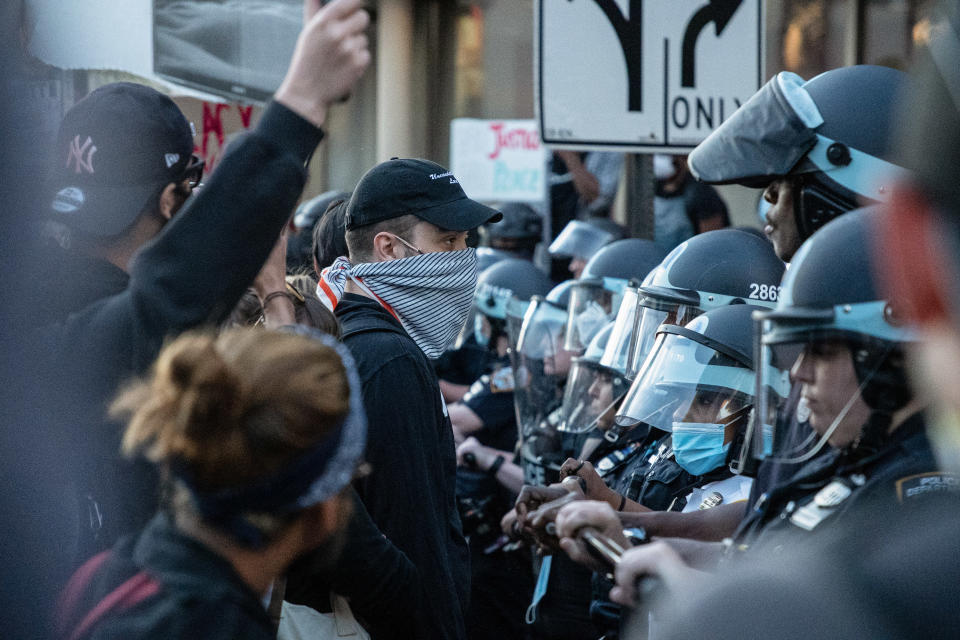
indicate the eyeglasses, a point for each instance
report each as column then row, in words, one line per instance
column 409, row 246
column 193, row 173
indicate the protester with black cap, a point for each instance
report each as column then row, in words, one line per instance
column 402, row 296
column 125, row 172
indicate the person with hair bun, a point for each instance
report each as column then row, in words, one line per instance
column 257, row 435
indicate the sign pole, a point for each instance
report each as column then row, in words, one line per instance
column 640, row 183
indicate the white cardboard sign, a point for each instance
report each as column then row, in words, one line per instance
column 498, row 160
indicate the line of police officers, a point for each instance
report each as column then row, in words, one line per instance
column 713, row 399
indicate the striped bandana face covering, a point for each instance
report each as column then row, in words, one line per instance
column 430, row 294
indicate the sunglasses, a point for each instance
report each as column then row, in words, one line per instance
column 193, row 172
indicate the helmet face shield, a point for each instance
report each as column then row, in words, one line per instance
column 685, row 381
column 763, row 139
column 654, row 313
column 593, row 304
column 579, row 240
column 591, row 397
column 540, row 366
column 616, row 353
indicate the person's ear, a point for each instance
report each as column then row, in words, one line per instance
column 171, row 199
column 387, row 247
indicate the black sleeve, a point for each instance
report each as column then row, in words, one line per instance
column 197, row 268
column 410, row 493
column 378, row 578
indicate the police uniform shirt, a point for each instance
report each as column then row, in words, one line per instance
column 491, row 398
column 829, row 491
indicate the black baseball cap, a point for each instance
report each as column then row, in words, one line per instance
column 403, row 186
column 116, row 149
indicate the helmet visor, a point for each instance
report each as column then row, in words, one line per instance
column 616, row 353
column 686, row 381
column 652, row 314
column 763, row 139
column 591, row 397
column 540, row 364
column 593, row 304
column 579, row 240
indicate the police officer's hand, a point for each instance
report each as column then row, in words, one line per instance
column 531, row 497
column 473, row 455
column 540, row 523
column 657, row 561
column 332, row 53
column 600, row 516
column 591, row 484
column 510, row 526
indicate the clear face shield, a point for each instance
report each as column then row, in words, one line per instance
column 823, row 406
column 651, row 314
column 593, row 304
column 540, row 368
column 594, row 389
column 689, row 385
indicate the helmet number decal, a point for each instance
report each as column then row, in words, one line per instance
column 764, row 292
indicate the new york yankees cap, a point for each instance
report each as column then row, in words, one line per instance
column 117, row 148
column 402, row 186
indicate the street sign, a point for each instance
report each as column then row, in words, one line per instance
column 643, row 75
column 498, row 160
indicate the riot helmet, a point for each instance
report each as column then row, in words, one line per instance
column 518, row 232
column 487, row 257
column 710, row 270
column 506, row 280
column 836, row 336
column 540, row 367
column 698, row 384
column 831, row 134
column 579, row 239
column 596, row 295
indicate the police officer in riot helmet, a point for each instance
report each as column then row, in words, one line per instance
column 518, row 233
column 482, row 341
column 843, row 343
column 834, row 334
column 818, row 148
column 486, row 410
column 596, row 295
column 708, row 271
column 579, row 240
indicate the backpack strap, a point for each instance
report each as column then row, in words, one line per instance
column 133, row 591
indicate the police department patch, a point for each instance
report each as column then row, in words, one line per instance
column 926, row 484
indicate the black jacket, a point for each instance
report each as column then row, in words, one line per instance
column 200, row 594
column 190, row 274
column 411, row 492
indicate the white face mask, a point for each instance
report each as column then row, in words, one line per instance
column 663, row 168
column 430, row 294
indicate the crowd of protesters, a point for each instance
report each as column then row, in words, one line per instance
column 230, row 416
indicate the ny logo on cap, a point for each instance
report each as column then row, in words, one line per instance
column 81, row 156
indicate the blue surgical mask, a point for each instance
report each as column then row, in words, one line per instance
column 482, row 338
column 698, row 447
